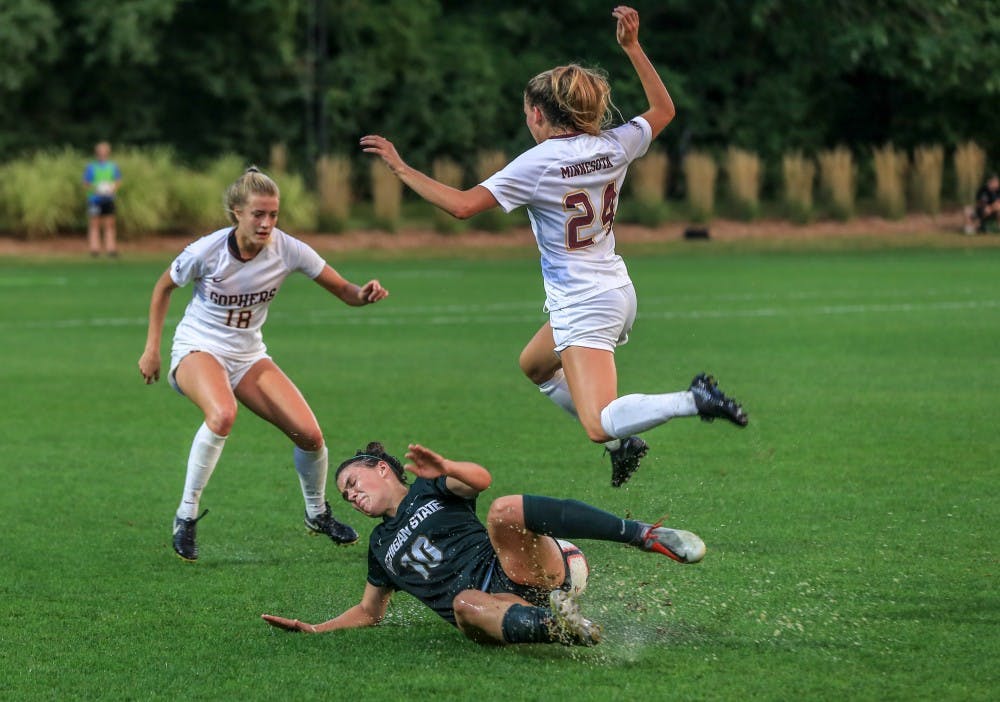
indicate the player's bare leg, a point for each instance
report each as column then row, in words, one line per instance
column 528, row 558
column 539, row 360
column 271, row 395
column 479, row 615
column 507, row 619
column 204, row 381
column 593, row 382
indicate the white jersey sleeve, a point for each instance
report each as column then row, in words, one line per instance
column 301, row 257
column 516, row 183
column 634, row 136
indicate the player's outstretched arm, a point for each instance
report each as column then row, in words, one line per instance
column 463, row 477
column 368, row 612
column 354, row 295
column 149, row 362
column 458, row 203
column 661, row 107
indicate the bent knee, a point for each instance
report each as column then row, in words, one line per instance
column 536, row 372
column 595, row 430
column 468, row 606
column 220, row 418
column 308, row 440
column 505, row 511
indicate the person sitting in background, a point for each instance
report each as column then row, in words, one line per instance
column 985, row 215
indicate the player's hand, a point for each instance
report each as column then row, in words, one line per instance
column 149, row 366
column 425, row 463
column 372, row 291
column 627, row 31
column 289, row 624
column 382, row 147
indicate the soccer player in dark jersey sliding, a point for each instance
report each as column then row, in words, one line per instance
column 503, row 582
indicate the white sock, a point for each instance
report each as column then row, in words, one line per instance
column 311, row 467
column 634, row 414
column 557, row 389
column 205, row 451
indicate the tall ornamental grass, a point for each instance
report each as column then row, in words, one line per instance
column 890, row 166
column 926, row 177
column 143, row 202
column 387, row 196
column 648, row 177
column 333, row 186
column 278, row 161
column 447, row 171
column 43, row 194
column 700, row 173
column 838, row 181
column 494, row 219
column 798, row 174
column 196, row 200
column 970, row 167
column 299, row 211
column 743, row 173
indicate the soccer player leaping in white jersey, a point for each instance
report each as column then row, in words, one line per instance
column 570, row 182
column 219, row 356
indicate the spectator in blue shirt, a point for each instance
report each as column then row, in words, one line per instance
column 102, row 178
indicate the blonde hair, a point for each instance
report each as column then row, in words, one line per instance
column 252, row 182
column 572, row 96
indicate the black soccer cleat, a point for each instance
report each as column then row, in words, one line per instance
column 184, row 532
column 325, row 523
column 625, row 461
column 712, row 403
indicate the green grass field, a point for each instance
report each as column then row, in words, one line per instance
column 852, row 527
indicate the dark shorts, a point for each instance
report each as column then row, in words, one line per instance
column 497, row 581
column 101, row 207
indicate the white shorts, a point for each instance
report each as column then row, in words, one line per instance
column 234, row 369
column 600, row 322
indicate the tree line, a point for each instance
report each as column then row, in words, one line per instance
column 445, row 78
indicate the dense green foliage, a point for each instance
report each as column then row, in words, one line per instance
column 445, row 78
column 851, row 527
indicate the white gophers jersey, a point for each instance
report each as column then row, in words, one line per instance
column 231, row 297
column 570, row 185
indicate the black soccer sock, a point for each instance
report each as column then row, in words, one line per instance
column 524, row 624
column 572, row 519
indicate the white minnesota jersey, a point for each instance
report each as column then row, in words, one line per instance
column 231, row 297
column 570, row 185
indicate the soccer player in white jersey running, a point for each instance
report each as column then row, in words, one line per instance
column 219, row 356
column 570, row 183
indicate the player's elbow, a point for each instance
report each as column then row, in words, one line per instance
column 371, row 616
column 462, row 210
column 468, row 203
column 659, row 120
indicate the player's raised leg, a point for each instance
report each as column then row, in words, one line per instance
column 517, row 525
column 541, row 364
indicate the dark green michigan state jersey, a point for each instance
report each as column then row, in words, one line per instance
column 433, row 548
